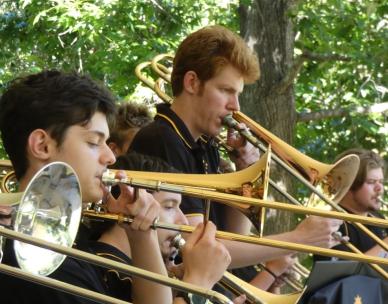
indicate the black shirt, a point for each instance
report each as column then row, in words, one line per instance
column 75, row 272
column 168, row 138
column 358, row 237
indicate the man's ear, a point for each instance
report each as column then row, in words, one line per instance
column 40, row 144
column 191, row 82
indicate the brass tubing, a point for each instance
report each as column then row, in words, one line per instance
column 347, row 244
column 59, row 285
column 292, row 283
column 257, row 295
column 121, row 267
column 230, row 199
column 254, row 240
column 235, row 285
column 376, row 267
column 297, row 286
column 227, row 281
column 161, row 69
column 303, row 271
column 231, row 122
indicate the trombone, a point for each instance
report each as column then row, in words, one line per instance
column 336, row 178
column 238, row 286
column 52, row 214
column 155, row 181
column 7, row 176
column 103, row 262
column 49, row 209
column 225, row 188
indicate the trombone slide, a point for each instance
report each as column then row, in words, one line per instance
column 232, row 282
column 121, row 267
column 253, row 240
column 236, row 200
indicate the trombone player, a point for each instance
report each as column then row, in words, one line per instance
column 195, row 268
column 364, row 198
column 55, row 116
column 210, row 69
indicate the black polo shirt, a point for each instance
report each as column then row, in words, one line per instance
column 168, row 138
column 358, row 237
column 72, row 271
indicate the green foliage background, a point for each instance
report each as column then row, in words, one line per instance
column 356, row 29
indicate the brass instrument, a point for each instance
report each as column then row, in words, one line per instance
column 49, row 209
column 223, row 188
column 7, row 177
column 336, row 179
column 103, row 262
column 237, row 286
column 46, row 223
column 51, row 215
column 149, row 180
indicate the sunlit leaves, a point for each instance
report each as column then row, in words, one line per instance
column 104, row 38
column 355, row 29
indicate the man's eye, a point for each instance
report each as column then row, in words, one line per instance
column 92, row 144
column 373, row 181
column 168, row 206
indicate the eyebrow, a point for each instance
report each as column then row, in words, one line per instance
column 175, row 201
column 100, row 134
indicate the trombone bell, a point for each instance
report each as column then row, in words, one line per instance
column 336, row 179
column 50, row 209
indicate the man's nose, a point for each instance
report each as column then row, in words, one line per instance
column 182, row 219
column 108, row 157
column 233, row 103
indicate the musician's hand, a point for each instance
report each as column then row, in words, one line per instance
column 245, row 154
column 279, row 282
column 205, row 259
column 176, row 270
column 318, row 231
column 240, row 299
column 136, row 203
column 281, row 265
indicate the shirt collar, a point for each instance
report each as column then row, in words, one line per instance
column 164, row 112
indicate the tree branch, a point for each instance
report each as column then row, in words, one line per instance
column 324, row 57
column 381, row 108
column 291, row 75
column 298, row 63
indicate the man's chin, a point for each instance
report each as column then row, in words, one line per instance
column 214, row 133
column 374, row 207
column 92, row 197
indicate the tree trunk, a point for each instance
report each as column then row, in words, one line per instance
column 266, row 27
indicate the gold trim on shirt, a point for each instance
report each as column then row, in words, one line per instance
column 175, row 128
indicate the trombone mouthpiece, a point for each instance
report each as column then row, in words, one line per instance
column 229, row 121
column 178, row 242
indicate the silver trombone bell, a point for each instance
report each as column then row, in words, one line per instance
column 50, row 209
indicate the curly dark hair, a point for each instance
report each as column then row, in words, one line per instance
column 129, row 116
